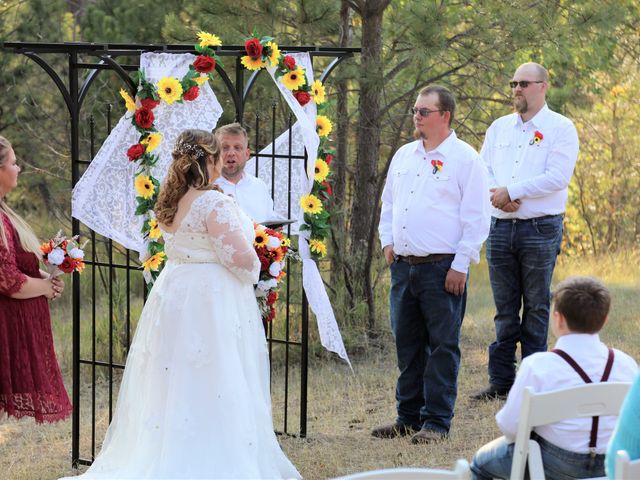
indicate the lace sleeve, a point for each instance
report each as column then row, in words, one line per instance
column 11, row 279
column 230, row 243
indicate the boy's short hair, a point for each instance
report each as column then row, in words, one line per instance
column 231, row 129
column 584, row 303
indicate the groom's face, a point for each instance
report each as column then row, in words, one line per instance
column 235, row 153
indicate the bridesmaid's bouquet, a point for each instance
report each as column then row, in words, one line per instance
column 62, row 255
column 273, row 248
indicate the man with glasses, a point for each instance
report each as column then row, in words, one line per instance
column 435, row 217
column 530, row 155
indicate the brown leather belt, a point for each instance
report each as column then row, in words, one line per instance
column 433, row 258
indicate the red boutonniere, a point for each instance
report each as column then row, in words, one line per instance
column 437, row 165
column 537, row 138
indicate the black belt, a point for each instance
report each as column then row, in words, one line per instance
column 433, row 258
column 527, row 220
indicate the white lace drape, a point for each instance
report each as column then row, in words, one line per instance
column 104, row 198
column 305, row 133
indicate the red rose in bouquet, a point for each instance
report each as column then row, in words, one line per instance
column 144, row 118
column 135, row 152
column 204, row 63
column 67, row 265
column 302, row 97
column 290, row 62
column 149, row 103
column 272, row 297
column 192, row 93
column 253, row 48
column 328, row 158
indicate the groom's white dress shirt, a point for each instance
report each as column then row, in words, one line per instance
column 535, row 172
column 251, row 195
column 446, row 211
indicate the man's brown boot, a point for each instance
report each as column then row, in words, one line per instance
column 393, row 430
column 427, row 435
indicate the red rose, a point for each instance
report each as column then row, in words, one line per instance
column 149, row 103
column 144, row 118
column 328, row 187
column 253, row 48
column 271, row 315
column 204, row 63
column 67, row 265
column 192, row 93
column 272, row 297
column 290, row 62
column 302, row 97
column 265, row 261
column 135, row 152
column 328, row 158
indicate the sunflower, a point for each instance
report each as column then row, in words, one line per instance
column 310, row 204
column 323, row 126
column 294, row 79
column 200, row 80
column 169, row 89
column 152, row 141
column 274, row 55
column 322, row 170
column 144, row 186
column 252, row 63
column 128, row 101
column 318, row 92
column 262, row 238
column 154, row 229
column 154, row 261
column 318, row 246
column 209, row 40
column 285, row 242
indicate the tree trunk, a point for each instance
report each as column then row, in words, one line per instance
column 363, row 211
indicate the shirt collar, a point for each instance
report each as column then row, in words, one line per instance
column 224, row 180
column 586, row 342
column 538, row 119
column 444, row 148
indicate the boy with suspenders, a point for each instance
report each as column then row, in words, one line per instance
column 574, row 447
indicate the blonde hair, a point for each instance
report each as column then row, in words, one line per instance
column 28, row 240
column 188, row 169
column 232, row 129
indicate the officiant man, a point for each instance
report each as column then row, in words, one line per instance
column 435, row 217
column 250, row 192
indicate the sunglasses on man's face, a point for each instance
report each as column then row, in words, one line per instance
column 524, row 83
column 424, row 112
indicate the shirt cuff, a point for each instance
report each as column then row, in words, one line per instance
column 461, row 263
column 515, row 192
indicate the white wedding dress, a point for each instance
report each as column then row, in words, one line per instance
column 194, row 400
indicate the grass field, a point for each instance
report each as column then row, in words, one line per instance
column 344, row 406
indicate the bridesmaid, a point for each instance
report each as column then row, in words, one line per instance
column 30, row 379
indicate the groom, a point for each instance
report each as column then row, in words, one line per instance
column 251, row 193
column 435, row 217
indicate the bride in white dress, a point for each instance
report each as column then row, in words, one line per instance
column 194, row 400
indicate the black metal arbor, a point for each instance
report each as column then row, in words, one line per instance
column 112, row 308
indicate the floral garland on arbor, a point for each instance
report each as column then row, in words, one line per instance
column 262, row 52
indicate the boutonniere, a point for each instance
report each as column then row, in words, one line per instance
column 437, row 165
column 537, row 138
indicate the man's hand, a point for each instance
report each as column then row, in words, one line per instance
column 455, row 281
column 511, row 206
column 388, row 254
column 500, row 197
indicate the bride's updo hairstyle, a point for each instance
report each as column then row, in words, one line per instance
column 188, row 169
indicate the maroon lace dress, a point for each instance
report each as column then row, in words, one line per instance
column 30, row 379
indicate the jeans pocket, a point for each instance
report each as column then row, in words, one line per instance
column 548, row 227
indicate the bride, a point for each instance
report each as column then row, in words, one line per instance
column 194, row 400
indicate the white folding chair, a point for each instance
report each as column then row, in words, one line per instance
column 589, row 400
column 460, row 472
column 625, row 468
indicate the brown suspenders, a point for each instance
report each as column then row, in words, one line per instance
column 605, row 376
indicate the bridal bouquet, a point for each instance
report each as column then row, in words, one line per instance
column 273, row 248
column 62, row 255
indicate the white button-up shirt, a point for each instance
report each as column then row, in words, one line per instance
column 533, row 159
column 426, row 211
column 251, row 195
column 546, row 371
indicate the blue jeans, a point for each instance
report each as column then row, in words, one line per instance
column 494, row 459
column 426, row 321
column 521, row 255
